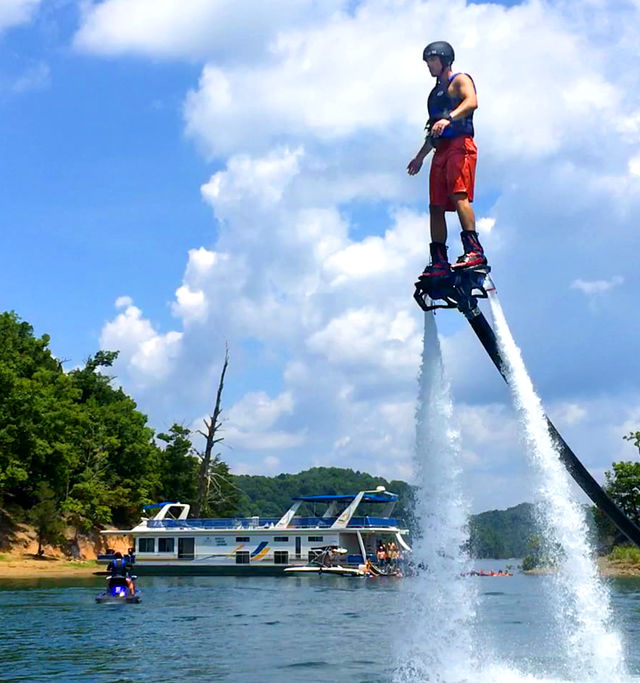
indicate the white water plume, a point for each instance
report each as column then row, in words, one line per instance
column 593, row 650
column 438, row 642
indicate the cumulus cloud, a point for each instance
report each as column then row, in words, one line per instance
column 252, row 424
column 198, row 28
column 36, row 77
column 148, row 355
column 597, row 286
column 15, row 12
column 319, row 307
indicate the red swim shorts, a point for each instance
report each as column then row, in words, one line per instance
column 453, row 170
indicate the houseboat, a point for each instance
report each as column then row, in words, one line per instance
column 172, row 543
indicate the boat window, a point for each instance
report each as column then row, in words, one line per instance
column 166, row 545
column 146, row 545
column 298, row 547
column 280, row 539
column 174, row 512
column 186, row 548
column 242, row 557
column 243, row 539
column 281, row 557
column 315, row 539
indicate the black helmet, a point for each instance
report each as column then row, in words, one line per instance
column 440, row 49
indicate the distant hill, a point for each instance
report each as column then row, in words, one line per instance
column 271, row 496
column 496, row 534
column 502, row 533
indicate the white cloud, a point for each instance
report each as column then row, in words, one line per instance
column 36, row 77
column 371, row 337
column 571, row 413
column 252, row 424
column 485, row 225
column 147, row 355
column 198, row 28
column 15, row 12
column 271, row 462
column 634, row 165
column 261, row 180
column 597, row 286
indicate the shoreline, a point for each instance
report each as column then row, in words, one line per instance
column 28, row 567
column 606, row 568
column 21, row 567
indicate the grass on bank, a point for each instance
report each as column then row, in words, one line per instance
column 625, row 554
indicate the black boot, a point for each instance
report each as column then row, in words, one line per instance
column 473, row 252
column 440, row 266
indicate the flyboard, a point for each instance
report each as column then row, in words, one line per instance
column 462, row 289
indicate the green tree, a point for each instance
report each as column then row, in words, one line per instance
column 116, row 460
column 534, row 558
column 37, row 416
column 45, row 517
column 623, row 485
column 178, row 466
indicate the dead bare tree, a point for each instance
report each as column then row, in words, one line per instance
column 208, row 460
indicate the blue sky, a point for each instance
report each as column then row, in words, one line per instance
column 175, row 175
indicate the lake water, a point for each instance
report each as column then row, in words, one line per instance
column 307, row 628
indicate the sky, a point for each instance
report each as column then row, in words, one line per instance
column 175, row 176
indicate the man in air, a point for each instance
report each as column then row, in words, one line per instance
column 451, row 181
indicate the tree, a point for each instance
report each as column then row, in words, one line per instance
column 45, row 517
column 178, row 466
column 211, row 475
column 623, row 485
column 534, row 558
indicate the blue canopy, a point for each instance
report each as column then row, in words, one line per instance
column 367, row 498
column 157, row 505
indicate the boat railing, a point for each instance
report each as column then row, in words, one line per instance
column 268, row 522
column 233, row 523
column 372, row 522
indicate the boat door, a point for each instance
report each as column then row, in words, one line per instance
column 186, row 548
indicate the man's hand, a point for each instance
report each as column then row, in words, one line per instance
column 415, row 165
column 438, row 127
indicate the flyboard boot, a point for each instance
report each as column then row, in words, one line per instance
column 473, row 256
column 440, row 266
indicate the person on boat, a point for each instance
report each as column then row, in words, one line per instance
column 130, row 558
column 381, row 555
column 119, row 567
column 450, row 132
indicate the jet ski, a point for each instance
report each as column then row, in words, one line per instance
column 117, row 591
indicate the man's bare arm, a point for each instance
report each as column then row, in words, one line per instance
column 463, row 89
column 416, row 163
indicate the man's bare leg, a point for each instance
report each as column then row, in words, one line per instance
column 465, row 211
column 438, row 224
column 473, row 252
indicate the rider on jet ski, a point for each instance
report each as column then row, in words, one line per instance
column 119, row 567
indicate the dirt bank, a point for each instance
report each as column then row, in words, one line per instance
column 29, row 567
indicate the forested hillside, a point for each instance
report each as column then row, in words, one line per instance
column 502, row 533
column 271, row 496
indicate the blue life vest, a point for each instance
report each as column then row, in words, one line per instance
column 118, row 567
column 441, row 104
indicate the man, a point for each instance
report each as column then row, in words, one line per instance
column 120, row 567
column 451, row 180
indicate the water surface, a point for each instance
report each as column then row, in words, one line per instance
column 307, row 628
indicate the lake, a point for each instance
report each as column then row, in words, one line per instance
column 311, row 628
